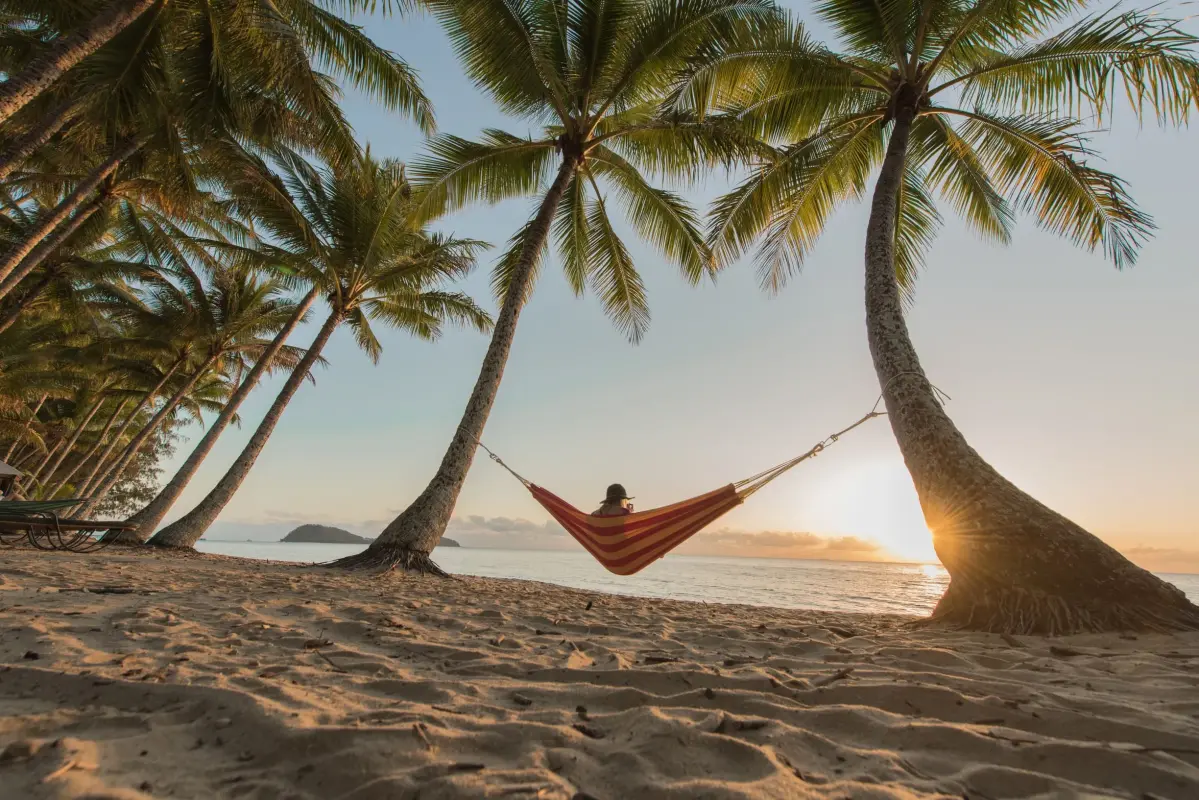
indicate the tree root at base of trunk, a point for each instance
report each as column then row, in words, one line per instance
column 384, row 558
column 1015, row 610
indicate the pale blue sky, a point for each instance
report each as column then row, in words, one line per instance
column 1077, row 381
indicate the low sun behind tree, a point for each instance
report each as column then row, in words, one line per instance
column 981, row 104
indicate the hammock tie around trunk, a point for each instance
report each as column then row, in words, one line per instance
column 628, row 543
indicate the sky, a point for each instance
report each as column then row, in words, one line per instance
column 1077, row 381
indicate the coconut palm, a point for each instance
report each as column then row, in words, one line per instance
column 594, row 73
column 275, row 356
column 70, row 33
column 979, row 103
column 216, row 322
column 346, row 232
column 188, row 73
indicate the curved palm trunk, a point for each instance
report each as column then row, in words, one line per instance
column 130, row 452
column 31, row 142
column 40, row 73
column 411, row 536
column 39, row 254
column 25, row 430
column 148, row 519
column 65, row 479
column 187, row 530
column 35, row 475
column 104, row 462
column 71, row 442
column 1015, row 565
column 60, row 214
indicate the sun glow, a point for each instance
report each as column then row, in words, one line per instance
column 876, row 501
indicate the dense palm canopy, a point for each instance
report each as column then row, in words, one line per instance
column 123, row 231
column 345, row 232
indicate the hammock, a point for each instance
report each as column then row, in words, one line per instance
column 629, row 543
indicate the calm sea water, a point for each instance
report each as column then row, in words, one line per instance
column 783, row 583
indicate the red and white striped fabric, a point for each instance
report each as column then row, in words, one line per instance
column 629, row 543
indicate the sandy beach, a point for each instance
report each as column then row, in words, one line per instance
column 143, row 675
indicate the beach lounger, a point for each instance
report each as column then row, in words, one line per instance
column 37, row 522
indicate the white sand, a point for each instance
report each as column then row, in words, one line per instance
column 237, row 679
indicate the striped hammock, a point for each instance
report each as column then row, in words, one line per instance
column 629, row 543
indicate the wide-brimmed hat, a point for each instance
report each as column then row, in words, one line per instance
column 616, row 492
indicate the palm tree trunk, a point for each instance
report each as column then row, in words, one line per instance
column 65, row 479
column 60, row 213
column 148, row 519
column 1015, row 565
column 135, row 444
column 66, row 451
column 40, row 73
column 25, row 430
column 38, row 254
column 104, row 459
column 31, row 142
column 187, row 530
column 411, row 536
column 35, row 476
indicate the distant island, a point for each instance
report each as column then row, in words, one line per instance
column 327, row 534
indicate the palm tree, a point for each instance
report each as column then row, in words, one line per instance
column 597, row 70
column 347, row 233
column 215, row 324
column 978, row 103
column 248, row 309
column 64, row 50
column 257, row 29
column 188, row 73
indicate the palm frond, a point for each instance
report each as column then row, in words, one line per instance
column 615, row 277
column 1040, row 163
column 456, row 172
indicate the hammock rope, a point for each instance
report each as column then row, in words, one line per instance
column 628, row 543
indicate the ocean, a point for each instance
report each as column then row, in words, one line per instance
column 855, row 586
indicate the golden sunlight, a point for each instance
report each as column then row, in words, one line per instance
column 876, row 501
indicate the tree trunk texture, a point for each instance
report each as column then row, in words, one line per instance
column 411, row 537
column 187, row 530
column 148, row 519
column 65, row 479
column 105, row 458
column 35, row 475
column 33, row 141
column 66, row 451
column 25, row 430
column 44, row 70
column 114, row 475
column 39, row 254
column 1015, row 565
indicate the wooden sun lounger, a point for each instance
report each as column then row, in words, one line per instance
column 36, row 522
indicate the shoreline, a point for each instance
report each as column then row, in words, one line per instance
column 216, row 676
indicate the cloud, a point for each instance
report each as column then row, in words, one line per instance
column 510, row 532
column 782, row 544
column 1163, row 559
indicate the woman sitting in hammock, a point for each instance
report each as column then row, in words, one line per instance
column 616, row 504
